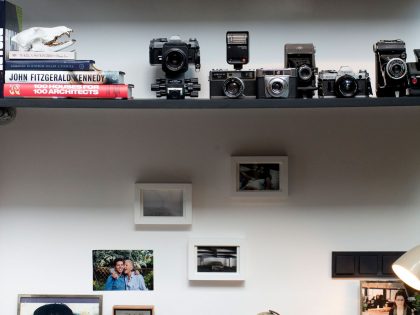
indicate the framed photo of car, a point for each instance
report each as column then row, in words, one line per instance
column 216, row 259
column 133, row 310
column 163, row 204
column 32, row 304
column 259, row 176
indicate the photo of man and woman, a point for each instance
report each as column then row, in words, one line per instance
column 119, row 270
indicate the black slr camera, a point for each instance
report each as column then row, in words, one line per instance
column 234, row 83
column 277, row 83
column 302, row 57
column 414, row 75
column 344, row 83
column 175, row 56
column 390, row 68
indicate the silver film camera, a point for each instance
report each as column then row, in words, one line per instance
column 276, row 83
column 344, row 83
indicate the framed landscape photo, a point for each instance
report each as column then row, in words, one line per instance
column 216, row 259
column 260, row 176
column 32, row 304
column 133, row 310
column 163, row 204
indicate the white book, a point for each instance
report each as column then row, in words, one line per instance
column 64, row 77
column 42, row 55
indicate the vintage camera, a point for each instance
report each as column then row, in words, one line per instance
column 176, row 88
column 302, row 57
column 390, row 68
column 232, row 84
column 413, row 69
column 277, row 83
column 237, row 49
column 344, row 83
column 174, row 54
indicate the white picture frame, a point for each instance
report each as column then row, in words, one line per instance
column 163, row 204
column 260, row 176
column 216, row 259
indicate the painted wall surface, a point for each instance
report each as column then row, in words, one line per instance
column 67, row 187
column 67, row 176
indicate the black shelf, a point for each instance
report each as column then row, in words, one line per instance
column 211, row 104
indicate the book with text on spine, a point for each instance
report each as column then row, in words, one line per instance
column 39, row 55
column 35, row 90
column 49, row 64
column 10, row 24
column 65, row 77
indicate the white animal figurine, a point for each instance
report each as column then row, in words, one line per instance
column 43, row 39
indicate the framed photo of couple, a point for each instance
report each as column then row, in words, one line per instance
column 122, row 270
column 259, row 176
column 163, row 204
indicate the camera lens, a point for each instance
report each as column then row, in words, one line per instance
column 278, row 87
column 305, row 73
column 233, row 87
column 175, row 60
column 396, row 68
column 346, row 86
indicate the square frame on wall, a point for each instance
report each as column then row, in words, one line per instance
column 28, row 304
column 133, row 310
column 216, row 259
column 259, row 176
column 163, row 204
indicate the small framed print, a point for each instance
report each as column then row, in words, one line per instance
column 216, row 259
column 260, row 176
column 133, row 310
column 163, row 204
column 31, row 304
column 377, row 297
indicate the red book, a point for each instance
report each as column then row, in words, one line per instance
column 39, row 90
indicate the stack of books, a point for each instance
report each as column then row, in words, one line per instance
column 11, row 17
column 60, row 75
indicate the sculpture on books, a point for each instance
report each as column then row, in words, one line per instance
column 44, row 39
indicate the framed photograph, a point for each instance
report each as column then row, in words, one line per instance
column 378, row 297
column 163, row 204
column 133, row 310
column 31, row 304
column 122, row 270
column 260, row 176
column 216, row 259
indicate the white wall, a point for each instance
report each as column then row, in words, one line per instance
column 67, row 176
column 66, row 187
